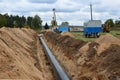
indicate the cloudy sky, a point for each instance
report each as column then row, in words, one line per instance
column 74, row 11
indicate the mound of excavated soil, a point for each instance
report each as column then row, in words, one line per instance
column 101, row 57
column 66, row 43
column 111, row 60
column 99, row 60
column 105, row 41
column 108, row 38
column 17, row 56
column 67, row 34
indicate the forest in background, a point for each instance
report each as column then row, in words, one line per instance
column 15, row 21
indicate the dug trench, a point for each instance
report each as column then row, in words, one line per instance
column 98, row 60
column 22, row 56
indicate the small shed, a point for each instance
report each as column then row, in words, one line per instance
column 64, row 27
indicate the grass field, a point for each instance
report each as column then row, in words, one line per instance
column 80, row 35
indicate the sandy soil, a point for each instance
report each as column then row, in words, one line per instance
column 67, row 34
column 22, row 56
column 99, row 60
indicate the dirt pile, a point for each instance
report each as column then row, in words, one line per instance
column 110, row 54
column 97, row 60
column 111, row 60
column 101, row 44
column 105, row 41
column 107, row 64
column 67, row 34
column 18, row 55
column 100, row 58
column 66, row 43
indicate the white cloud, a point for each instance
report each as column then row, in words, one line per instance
column 42, row 1
column 73, row 11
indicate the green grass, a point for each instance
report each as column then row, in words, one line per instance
column 80, row 35
column 115, row 33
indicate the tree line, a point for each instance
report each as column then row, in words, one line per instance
column 34, row 22
column 20, row 21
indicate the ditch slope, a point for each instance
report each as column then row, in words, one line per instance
column 99, row 60
column 22, row 55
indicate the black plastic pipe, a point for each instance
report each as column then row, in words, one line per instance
column 58, row 70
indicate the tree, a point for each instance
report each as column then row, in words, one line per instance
column 117, row 23
column 37, row 22
column 29, row 21
column 17, row 21
column 65, row 23
column 20, row 21
column 23, row 21
column 46, row 26
column 2, row 20
column 10, row 21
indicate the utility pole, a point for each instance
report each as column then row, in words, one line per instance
column 54, row 17
column 91, row 12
